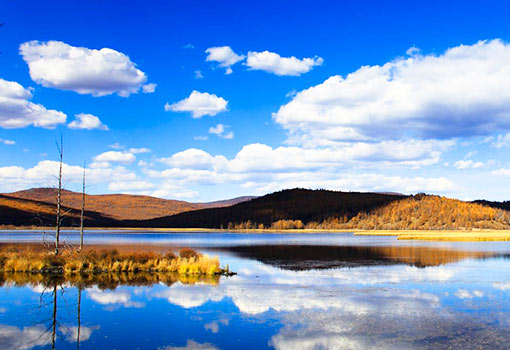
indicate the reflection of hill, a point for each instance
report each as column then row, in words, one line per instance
column 306, row 257
column 104, row 280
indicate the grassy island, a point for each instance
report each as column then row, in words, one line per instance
column 188, row 262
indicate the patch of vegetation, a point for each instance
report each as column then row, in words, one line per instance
column 189, row 262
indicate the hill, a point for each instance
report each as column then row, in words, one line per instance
column 24, row 212
column 300, row 208
column 296, row 204
column 427, row 212
column 120, row 206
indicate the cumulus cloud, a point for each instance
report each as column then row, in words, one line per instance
column 220, row 130
column 87, row 121
column 149, row 88
column 56, row 64
column 273, row 63
column 468, row 164
column 263, row 169
column 16, row 110
column 225, row 57
column 127, row 186
column 115, row 157
column 199, row 104
column 13, row 178
column 462, row 92
column 193, row 158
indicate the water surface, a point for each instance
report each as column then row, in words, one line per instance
column 292, row 291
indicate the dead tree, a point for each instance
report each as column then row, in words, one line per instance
column 82, row 208
column 59, row 196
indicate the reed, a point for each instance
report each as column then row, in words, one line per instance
column 189, row 262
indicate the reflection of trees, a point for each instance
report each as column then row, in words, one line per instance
column 53, row 289
column 103, row 280
column 305, row 257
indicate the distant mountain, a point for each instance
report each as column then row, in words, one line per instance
column 121, row 206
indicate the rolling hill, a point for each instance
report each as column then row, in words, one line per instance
column 25, row 212
column 296, row 208
column 121, row 206
column 321, row 209
column 296, row 204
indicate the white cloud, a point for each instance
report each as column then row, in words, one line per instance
column 193, row 159
column 201, row 138
column 124, row 186
column 224, row 56
column 139, row 150
column 16, row 110
column 191, row 345
column 199, row 104
column 43, row 174
column 220, row 130
column 263, row 169
column 86, row 71
column 468, row 164
column 502, row 141
column 8, row 142
column 117, row 146
column 273, row 63
column 115, row 157
column 198, row 74
column 149, row 88
column 463, row 92
column 502, row 172
column 87, row 121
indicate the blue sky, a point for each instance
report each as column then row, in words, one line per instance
column 354, row 95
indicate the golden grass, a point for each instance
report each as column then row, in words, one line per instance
column 443, row 235
column 188, row 263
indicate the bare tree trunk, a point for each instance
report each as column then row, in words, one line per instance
column 59, row 196
column 82, row 208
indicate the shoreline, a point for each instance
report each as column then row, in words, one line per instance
column 474, row 235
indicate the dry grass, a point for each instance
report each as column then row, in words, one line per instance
column 27, row 260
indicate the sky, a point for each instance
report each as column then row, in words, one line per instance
column 202, row 100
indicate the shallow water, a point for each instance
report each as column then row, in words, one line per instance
column 306, row 291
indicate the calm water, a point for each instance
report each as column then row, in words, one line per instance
column 318, row 291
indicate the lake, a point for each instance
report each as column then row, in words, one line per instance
column 292, row 291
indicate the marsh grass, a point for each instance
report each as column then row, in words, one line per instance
column 67, row 263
